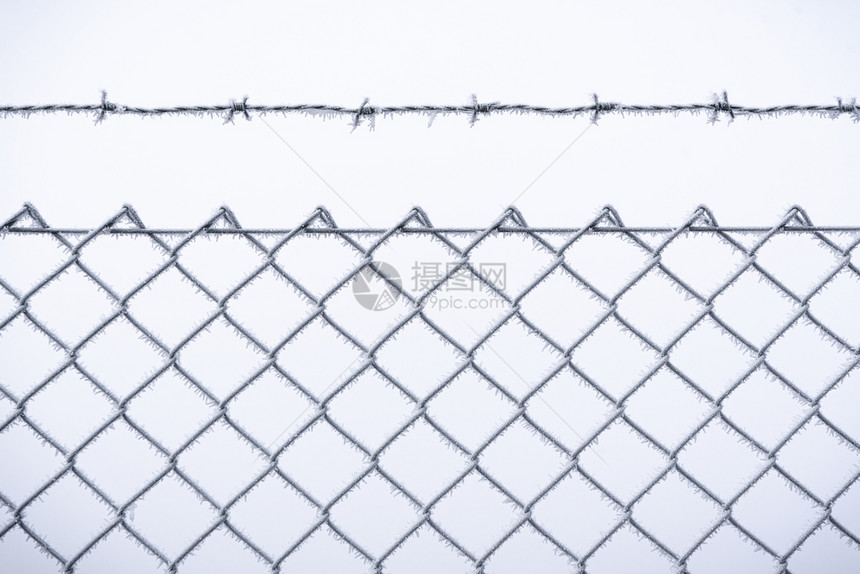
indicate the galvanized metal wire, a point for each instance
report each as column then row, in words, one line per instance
column 719, row 106
column 606, row 223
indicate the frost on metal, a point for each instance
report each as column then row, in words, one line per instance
column 719, row 105
column 420, row 399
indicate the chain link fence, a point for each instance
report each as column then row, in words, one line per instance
column 420, row 399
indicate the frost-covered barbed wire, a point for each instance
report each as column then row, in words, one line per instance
column 718, row 106
column 28, row 220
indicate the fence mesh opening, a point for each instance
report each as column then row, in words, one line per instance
column 417, row 399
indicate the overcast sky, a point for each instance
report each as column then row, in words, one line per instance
column 176, row 171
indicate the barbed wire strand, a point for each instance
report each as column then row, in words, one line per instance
column 718, row 106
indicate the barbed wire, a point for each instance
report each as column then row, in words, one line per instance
column 718, row 106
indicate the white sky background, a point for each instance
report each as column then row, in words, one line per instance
column 176, row 171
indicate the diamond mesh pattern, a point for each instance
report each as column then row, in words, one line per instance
column 666, row 412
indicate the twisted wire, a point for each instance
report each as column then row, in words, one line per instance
column 718, row 106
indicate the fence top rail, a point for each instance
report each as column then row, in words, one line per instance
column 320, row 221
column 447, row 230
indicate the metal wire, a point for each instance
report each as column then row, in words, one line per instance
column 717, row 107
column 28, row 220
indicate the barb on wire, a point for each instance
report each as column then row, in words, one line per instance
column 238, row 107
column 721, row 104
column 717, row 106
column 104, row 108
column 363, row 109
column 602, row 107
column 564, row 357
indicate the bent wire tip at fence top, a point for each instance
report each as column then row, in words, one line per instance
column 717, row 107
column 693, row 496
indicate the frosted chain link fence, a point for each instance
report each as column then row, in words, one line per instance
column 418, row 399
